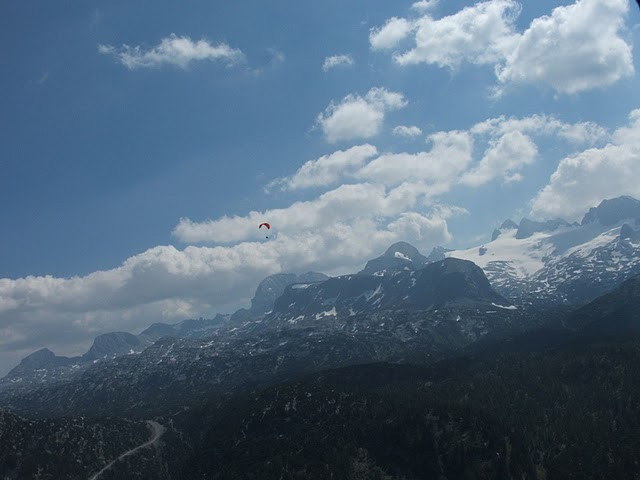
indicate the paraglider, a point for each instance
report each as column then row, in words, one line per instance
column 265, row 224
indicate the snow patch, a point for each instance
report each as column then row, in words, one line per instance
column 372, row 293
column 402, row 256
column 328, row 313
column 509, row 307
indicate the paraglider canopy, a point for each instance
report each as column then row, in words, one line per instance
column 265, row 224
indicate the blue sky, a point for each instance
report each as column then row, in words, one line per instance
column 128, row 174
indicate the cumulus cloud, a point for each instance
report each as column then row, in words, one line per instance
column 173, row 50
column 415, row 227
column 358, row 117
column 328, row 168
column 424, row 5
column 479, row 34
column 407, row 131
column 584, row 179
column 576, row 48
column 449, row 156
column 390, row 34
column 344, row 203
column 511, row 146
column 580, row 133
column 337, row 61
column 503, row 158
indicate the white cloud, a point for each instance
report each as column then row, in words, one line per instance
column 581, row 133
column 479, row 34
column 449, row 156
column 503, row 158
column 448, row 211
column 407, row 131
column 173, row 50
column 513, row 178
column 450, row 160
column 277, row 57
column 328, row 168
column 358, row 117
column 584, row 179
column 424, row 5
column 576, row 48
column 337, row 61
column 416, row 228
column 391, row 34
column 344, row 203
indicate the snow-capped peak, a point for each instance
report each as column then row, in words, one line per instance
column 572, row 262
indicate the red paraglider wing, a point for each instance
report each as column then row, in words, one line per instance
column 265, row 224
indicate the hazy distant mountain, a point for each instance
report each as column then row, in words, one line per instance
column 192, row 328
column 610, row 212
column 44, row 366
column 113, row 344
column 506, row 225
column 274, row 285
column 529, row 227
column 43, row 359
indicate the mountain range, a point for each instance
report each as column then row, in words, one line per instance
column 529, row 407
column 449, row 342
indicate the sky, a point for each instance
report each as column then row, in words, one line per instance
column 142, row 143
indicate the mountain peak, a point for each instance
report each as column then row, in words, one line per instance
column 43, row 353
column 611, row 211
column 273, row 286
column 403, row 248
column 40, row 359
column 506, row 225
column 399, row 256
column 113, row 344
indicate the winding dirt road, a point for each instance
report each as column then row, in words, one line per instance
column 157, row 431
